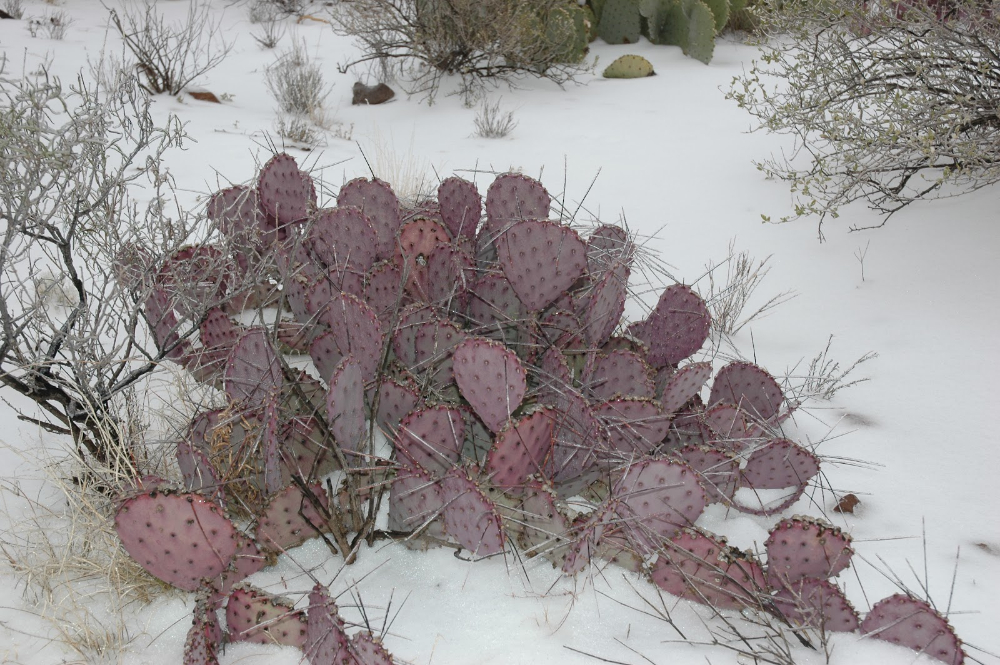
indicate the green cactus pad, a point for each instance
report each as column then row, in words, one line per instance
column 690, row 24
column 629, row 67
column 701, row 32
column 720, row 12
column 620, row 22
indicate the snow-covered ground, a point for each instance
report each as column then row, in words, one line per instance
column 673, row 158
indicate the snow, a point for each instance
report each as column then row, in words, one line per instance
column 672, row 156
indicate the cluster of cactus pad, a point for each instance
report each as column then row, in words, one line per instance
column 484, row 341
column 690, row 24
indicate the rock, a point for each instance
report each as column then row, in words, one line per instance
column 847, row 504
column 372, row 94
column 205, row 97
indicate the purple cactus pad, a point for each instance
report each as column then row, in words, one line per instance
column 521, row 448
column 749, row 387
column 728, row 426
column 204, row 637
column 285, row 521
column 718, row 470
column 414, row 245
column 286, row 194
column 676, row 328
column 635, row 426
column 513, row 197
column 817, row 604
column 678, row 389
column 619, row 374
column 414, row 500
column 540, row 526
column 253, row 371
column 258, row 617
column 461, row 207
column 586, row 536
column 450, row 272
column 432, row 438
column 196, row 469
column 377, row 201
column 368, row 650
column 914, row 624
column 779, row 463
column 326, row 641
column 699, row 566
column 342, row 239
column 493, row 301
column 469, row 517
column 605, row 305
column 356, row 331
column 491, row 378
column 608, row 246
column 396, row 399
column 345, row 409
column 179, row 538
column 541, row 259
column 657, row 498
column 802, row 547
column 383, row 291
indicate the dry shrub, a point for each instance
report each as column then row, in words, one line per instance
column 483, row 42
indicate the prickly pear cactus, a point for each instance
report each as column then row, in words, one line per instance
column 913, row 623
column 486, row 341
column 620, row 22
column 628, row 67
column 817, row 604
column 204, row 637
column 259, row 617
column 326, row 641
column 179, row 537
column 802, row 547
column 470, row 517
column 699, row 566
column 491, row 378
column 292, row 517
column 541, row 259
column 658, row 499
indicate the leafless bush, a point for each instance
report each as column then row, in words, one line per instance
column 296, row 82
column 15, row 8
column 825, row 377
column 298, row 129
column 170, row 56
column 262, row 8
column 53, row 25
column 484, row 42
column 268, row 17
column 75, row 247
column 270, row 33
column 727, row 299
column 887, row 102
column 492, row 123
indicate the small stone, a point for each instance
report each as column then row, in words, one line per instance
column 847, row 504
column 371, row 94
column 205, row 97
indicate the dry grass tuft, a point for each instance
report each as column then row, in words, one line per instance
column 411, row 178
